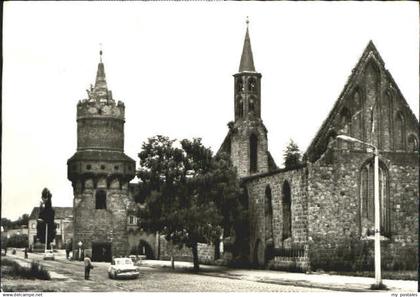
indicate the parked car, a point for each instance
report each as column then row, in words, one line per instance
column 49, row 255
column 123, row 267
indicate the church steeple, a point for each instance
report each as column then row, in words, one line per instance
column 247, row 85
column 248, row 142
column 247, row 61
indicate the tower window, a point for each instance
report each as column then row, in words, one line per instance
column 251, row 106
column 239, row 85
column 100, row 199
column 253, row 156
column 102, row 167
column 240, row 108
column 252, row 84
column 88, row 167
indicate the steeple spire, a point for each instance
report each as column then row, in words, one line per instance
column 247, row 61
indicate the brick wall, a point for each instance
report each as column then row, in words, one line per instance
column 100, row 225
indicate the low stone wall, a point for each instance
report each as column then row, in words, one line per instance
column 205, row 252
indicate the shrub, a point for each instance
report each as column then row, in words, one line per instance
column 18, row 241
column 35, row 271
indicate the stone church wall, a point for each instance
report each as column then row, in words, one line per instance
column 336, row 239
column 258, row 223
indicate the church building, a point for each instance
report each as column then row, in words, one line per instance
column 320, row 215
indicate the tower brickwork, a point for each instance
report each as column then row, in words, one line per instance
column 100, row 173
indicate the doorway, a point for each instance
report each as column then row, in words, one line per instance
column 101, row 251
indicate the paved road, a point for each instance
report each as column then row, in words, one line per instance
column 151, row 279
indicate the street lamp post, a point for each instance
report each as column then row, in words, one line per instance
column 46, row 233
column 80, row 250
column 378, row 278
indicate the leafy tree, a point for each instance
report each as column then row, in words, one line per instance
column 6, row 223
column 190, row 196
column 46, row 217
column 292, row 155
column 9, row 224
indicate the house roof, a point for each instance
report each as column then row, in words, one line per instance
column 60, row 213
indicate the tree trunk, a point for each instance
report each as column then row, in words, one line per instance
column 195, row 257
column 172, row 262
column 217, row 249
column 172, row 255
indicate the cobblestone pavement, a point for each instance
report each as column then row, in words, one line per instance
column 152, row 279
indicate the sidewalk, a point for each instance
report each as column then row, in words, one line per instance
column 322, row 281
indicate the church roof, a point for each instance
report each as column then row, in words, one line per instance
column 247, row 60
column 320, row 141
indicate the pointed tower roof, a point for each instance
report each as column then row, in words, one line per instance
column 101, row 89
column 247, row 61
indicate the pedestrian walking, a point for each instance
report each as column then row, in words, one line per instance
column 88, row 266
column 26, row 253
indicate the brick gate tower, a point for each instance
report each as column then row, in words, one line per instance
column 100, row 173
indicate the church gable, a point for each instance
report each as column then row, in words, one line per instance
column 370, row 94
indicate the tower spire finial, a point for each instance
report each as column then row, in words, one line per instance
column 100, row 52
column 247, row 21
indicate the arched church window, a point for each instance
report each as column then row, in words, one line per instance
column 100, row 199
column 252, row 84
column 367, row 199
column 253, row 156
column 268, row 212
column 241, row 108
column 287, row 210
column 345, row 126
column 399, row 131
column 413, row 144
column 357, row 119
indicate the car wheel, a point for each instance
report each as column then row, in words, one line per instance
column 109, row 275
column 115, row 275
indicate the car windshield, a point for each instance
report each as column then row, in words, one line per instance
column 123, row 262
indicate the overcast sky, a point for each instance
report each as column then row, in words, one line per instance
column 172, row 66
